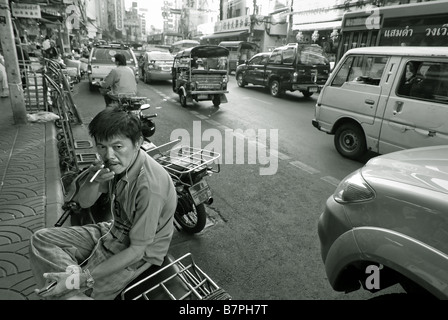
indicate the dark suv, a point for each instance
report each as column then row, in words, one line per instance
column 289, row 68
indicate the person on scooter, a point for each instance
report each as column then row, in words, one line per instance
column 108, row 255
column 120, row 80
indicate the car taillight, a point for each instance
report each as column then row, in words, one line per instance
column 353, row 189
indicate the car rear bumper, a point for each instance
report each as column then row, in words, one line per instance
column 307, row 87
column 159, row 75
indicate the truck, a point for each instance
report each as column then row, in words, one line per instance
column 288, row 68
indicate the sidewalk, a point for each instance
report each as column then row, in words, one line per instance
column 30, row 197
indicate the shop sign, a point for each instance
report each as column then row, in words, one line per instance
column 233, row 24
column 24, row 10
column 118, row 15
column 317, row 15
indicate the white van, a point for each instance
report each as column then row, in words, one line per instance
column 368, row 102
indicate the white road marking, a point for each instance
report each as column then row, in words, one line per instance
column 331, row 180
column 298, row 164
column 258, row 100
column 213, row 122
column 304, row 167
column 280, row 155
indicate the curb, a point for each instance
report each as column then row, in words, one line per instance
column 53, row 188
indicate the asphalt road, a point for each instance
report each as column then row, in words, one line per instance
column 261, row 241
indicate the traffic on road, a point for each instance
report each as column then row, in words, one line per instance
column 277, row 173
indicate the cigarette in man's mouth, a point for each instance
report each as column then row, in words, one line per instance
column 97, row 173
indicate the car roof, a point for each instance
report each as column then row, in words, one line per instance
column 204, row 51
column 238, row 43
column 163, row 53
column 113, row 45
column 402, row 51
column 185, row 41
column 262, row 54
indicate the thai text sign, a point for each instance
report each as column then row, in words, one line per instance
column 24, row 10
column 233, row 24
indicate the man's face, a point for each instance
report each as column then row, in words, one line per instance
column 117, row 153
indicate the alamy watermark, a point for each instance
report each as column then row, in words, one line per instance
column 73, row 280
column 237, row 146
column 72, row 20
column 373, row 280
column 373, row 21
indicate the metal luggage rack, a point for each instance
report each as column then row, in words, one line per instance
column 184, row 159
column 185, row 281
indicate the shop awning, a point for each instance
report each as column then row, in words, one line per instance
column 318, row 26
column 50, row 22
column 51, row 19
column 225, row 34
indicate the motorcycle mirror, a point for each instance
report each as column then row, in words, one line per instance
column 144, row 106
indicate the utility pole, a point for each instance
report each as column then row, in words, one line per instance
column 253, row 20
column 289, row 20
column 12, row 64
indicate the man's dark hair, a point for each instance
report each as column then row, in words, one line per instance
column 113, row 122
column 121, row 59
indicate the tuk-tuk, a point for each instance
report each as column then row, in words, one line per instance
column 239, row 52
column 201, row 73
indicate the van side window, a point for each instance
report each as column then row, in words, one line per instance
column 429, row 81
column 343, row 72
column 362, row 69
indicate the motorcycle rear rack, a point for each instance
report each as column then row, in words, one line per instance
column 184, row 160
column 182, row 279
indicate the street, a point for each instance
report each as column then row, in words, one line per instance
column 261, row 241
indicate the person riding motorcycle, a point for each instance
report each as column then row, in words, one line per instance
column 120, row 80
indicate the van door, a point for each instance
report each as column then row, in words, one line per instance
column 354, row 91
column 417, row 110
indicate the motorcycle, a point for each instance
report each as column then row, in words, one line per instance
column 187, row 166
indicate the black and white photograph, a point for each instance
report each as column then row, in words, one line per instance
column 259, row 154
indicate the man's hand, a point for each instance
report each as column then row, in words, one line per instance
column 98, row 173
column 63, row 286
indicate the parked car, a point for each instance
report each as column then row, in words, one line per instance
column 386, row 111
column 252, row 70
column 293, row 67
column 102, row 61
column 390, row 216
column 156, row 65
